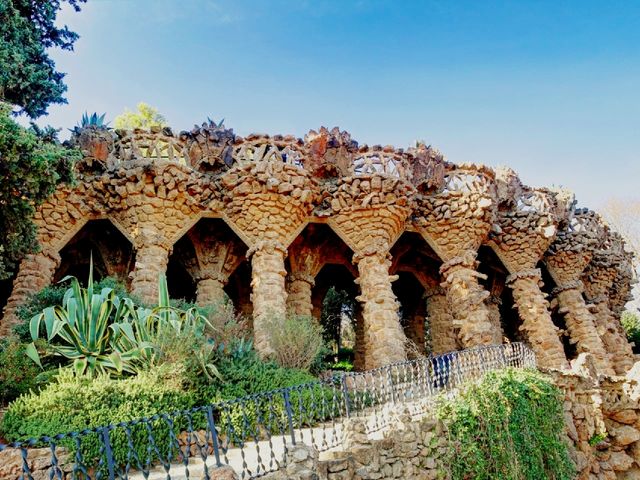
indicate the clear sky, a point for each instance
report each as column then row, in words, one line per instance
column 549, row 88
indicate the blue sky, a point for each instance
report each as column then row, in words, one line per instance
column 551, row 89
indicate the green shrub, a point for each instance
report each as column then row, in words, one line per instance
column 243, row 373
column 18, row 374
column 72, row 403
column 508, row 426
column 343, row 365
column 297, row 341
column 631, row 324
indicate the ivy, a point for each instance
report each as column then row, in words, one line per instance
column 508, row 426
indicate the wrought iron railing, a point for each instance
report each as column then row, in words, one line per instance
column 252, row 433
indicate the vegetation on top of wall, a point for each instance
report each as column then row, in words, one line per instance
column 509, row 425
column 631, row 324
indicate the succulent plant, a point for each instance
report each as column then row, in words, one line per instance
column 93, row 120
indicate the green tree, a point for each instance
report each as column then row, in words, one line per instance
column 32, row 164
column 146, row 116
column 28, row 78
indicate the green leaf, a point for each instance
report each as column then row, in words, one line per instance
column 32, row 353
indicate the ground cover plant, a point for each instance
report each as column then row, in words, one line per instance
column 508, row 425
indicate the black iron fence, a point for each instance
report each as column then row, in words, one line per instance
column 252, row 434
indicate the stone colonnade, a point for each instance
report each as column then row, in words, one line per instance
column 156, row 187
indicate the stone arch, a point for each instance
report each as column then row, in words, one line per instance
column 98, row 240
column 202, row 261
column 316, row 245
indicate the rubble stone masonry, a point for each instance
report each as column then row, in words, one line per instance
column 258, row 218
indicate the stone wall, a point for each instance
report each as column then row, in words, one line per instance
column 158, row 189
column 408, row 449
column 602, row 430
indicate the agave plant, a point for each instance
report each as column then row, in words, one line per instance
column 168, row 328
column 84, row 330
column 93, row 120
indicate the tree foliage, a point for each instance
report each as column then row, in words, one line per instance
column 145, row 117
column 32, row 164
column 28, row 77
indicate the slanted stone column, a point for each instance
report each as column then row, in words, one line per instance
column 581, row 324
column 566, row 267
column 359, row 350
column 537, row 326
column 384, row 338
column 269, row 295
column 152, row 258
column 493, row 304
column 415, row 328
column 526, row 225
column 466, row 297
column 299, row 297
column 444, row 337
column 36, row 272
column 598, row 279
column 455, row 219
column 613, row 336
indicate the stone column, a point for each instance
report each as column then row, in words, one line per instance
column 384, row 339
column 415, row 328
column 151, row 262
column 613, row 336
column 269, row 295
column 537, row 325
column 581, row 324
column 444, row 337
column 493, row 304
column 299, row 298
column 359, row 350
column 466, row 299
column 210, row 288
column 35, row 273
column 598, row 279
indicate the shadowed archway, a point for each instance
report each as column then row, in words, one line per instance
column 100, row 240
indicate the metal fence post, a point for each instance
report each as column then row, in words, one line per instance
column 287, row 406
column 345, row 393
column 214, row 435
column 108, row 452
column 391, row 392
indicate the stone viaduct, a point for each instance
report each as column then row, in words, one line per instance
column 453, row 255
